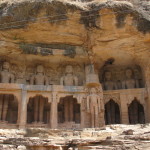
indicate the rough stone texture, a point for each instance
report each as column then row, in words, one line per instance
column 112, row 36
column 113, row 137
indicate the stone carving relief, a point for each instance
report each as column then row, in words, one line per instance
column 95, row 105
column 72, row 74
column 39, row 78
column 20, row 74
column 130, row 82
column 108, row 83
column 91, row 76
column 6, row 76
column 114, row 96
column 121, row 77
column 21, row 79
column 69, row 78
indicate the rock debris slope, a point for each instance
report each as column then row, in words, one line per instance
column 112, row 137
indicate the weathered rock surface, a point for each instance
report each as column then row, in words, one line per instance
column 113, row 137
column 104, row 27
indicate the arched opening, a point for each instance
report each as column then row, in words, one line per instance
column 8, row 108
column 136, row 113
column 112, row 113
column 68, row 111
column 38, row 110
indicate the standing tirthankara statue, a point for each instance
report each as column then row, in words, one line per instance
column 129, row 82
column 39, row 78
column 69, row 79
column 95, row 106
column 5, row 75
column 108, row 84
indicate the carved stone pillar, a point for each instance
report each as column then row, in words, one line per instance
column 82, row 110
column 71, row 107
column 146, row 74
column 5, row 106
column 36, row 104
column 1, row 106
column 66, row 105
column 53, row 115
column 41, row 109
column 23, row 110
column 124, row 109
column 101, row 118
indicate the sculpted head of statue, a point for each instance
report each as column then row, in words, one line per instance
column 129, row 73
column 6, row 65
column 108, row 76
column 40, row 69
column 69, row 69
column 93, row 91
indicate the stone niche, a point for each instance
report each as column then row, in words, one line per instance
column 121, row 77
column 39, row 73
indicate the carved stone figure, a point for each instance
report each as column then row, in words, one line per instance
column 129, row 82
column 39, row 78
column 108, row 83
column 69, row 78
column 92, row 78
column 95, row 106
column 21, row 79
column 5, row 75
column 138, row 77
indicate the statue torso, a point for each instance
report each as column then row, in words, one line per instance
column 94, row 100
column 69, row 80
column 109, row 85
column 5, row 76
column 130, row 83
column 39, row 79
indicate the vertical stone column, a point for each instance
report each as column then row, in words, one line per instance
column 124, row 109
column 82, row 110
column 146, row 72
column 1, row 106
column 36, row 108
column 5, row 107
column 71, row 107
column 53, row 115
column 23, row 110
column 102, row 119
column 41, row 109
column 66, row 104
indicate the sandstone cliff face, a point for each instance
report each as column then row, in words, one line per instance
column 109, row 29
column 115, row 29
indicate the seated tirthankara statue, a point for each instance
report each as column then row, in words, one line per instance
column 5, row 75
column 129, row 82
column 69, row 78
column 21, row 79
column 39, row 78
column 108, row 84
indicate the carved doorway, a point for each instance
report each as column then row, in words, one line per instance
column 136, row 113
column 8, row 108
column 38, row 110
column 68, row 111
column 112, row 113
